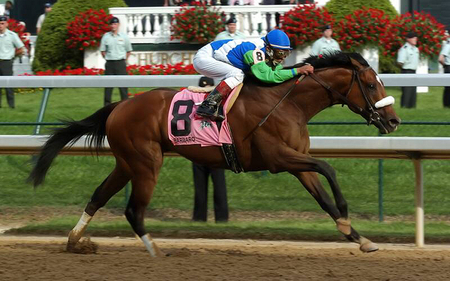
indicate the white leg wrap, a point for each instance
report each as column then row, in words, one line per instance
column 148, row 242
column 81, row 226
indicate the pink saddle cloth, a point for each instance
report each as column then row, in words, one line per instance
column 186, row 128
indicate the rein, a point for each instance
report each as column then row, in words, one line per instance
column 371, row 114
column 276, row 106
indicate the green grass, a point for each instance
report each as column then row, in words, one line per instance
column 72, row 180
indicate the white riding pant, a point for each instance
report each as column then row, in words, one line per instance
column 206, row 64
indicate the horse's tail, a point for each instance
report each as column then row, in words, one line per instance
column 93, row 126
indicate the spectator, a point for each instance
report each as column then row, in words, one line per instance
column 115, row 47
column 231, row 32
column 10, row 46
column 325, row 44
column 241, row 2
column 201, row 175
column 408, row 59
column 8, row 8
column 40, row 21
column 444, row 59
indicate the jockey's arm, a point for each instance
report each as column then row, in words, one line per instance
column 262, row 71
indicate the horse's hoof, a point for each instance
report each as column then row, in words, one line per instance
column 368, row 247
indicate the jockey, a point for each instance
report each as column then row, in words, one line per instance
column 228, row 60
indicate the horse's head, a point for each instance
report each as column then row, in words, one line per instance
column 367, row 97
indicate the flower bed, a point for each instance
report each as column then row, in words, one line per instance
column 365, row 28
column 87, row 29
column 304, row 23
column 430, row 33
column 197, row 23
column 177, row 69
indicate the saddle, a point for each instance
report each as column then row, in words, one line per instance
column 185, row 128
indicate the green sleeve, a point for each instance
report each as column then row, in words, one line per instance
column 265, row 73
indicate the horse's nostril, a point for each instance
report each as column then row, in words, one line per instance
column 394, row 122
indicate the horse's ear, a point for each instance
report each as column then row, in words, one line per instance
column 356, row 64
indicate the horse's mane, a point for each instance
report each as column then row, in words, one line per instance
column 334, row 59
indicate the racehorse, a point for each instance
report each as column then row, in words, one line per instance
column 137, row 133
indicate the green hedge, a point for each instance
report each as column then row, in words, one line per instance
column 341, row 8
column 51, row 51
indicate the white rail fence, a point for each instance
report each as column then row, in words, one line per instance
column 413, row 148
column 142, row 81
column 152, row 24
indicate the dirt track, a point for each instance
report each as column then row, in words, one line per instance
column 44, row 258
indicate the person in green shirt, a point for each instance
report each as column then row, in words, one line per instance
column 325, row 44
column 115, row 47
column 408, row 59
column 10, row 46
column 229, row 60
column 231, row 32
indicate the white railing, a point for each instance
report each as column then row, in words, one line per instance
column 146, row 81
column 414, row 148
column 152, row 24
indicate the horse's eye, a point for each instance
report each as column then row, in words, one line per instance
column 371, row 86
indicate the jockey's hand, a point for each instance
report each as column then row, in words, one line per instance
column 305, row 70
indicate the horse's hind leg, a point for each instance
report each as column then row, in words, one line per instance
column 110, row 186
column 312, row 183
column 143, row 184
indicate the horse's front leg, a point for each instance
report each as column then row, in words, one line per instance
column 312, row 183
column 299, row 164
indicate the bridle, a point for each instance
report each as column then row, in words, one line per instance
column 370, row 114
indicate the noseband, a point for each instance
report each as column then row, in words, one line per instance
column 371, row 114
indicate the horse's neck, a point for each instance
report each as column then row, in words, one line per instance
column 312, row 98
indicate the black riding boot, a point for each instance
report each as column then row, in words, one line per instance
column 210, row 106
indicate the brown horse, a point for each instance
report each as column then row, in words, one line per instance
column 138, row 137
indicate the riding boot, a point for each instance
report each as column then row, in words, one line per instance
column 211, row 105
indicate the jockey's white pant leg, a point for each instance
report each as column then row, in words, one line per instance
column 206, row 64
column 234, row 77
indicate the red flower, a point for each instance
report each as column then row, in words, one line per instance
column 430, row 33
column 197, row 23
column 87, row 29
column 303, row 24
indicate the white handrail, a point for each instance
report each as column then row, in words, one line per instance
column 138, row 81
column 415, row 148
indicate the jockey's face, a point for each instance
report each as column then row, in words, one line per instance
column 231, row 28
column 278, row 55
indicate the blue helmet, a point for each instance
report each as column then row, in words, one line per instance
column 277, row 39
